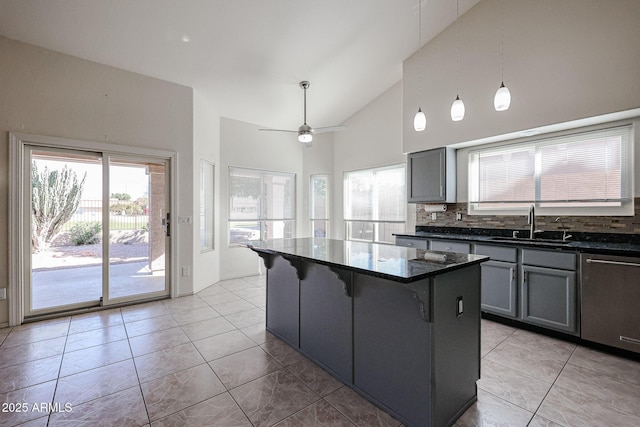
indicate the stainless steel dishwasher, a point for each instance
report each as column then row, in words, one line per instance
column 611, row 300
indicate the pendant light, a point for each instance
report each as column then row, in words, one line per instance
column 457, row 108
column 502, row 100
column 420, row 120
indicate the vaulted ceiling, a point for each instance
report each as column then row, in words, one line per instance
column 245, row 56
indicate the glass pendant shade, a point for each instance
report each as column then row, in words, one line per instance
column 502, row 100
column 305, row 137
column 420, row 121
column 457, row 110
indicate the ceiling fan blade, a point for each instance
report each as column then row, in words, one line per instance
column 329, row 129
column 280, row 130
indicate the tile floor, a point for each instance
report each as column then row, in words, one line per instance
column 206, row 360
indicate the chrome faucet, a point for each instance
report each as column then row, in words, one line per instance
column 532, row 222
column 565, row 236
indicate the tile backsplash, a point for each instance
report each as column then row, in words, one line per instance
column 590, row 224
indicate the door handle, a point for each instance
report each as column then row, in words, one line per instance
column 166, row 223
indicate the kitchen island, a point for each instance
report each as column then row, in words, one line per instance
column 399, row 325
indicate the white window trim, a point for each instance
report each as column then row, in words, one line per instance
column 262, row 219
column 17, row 214
column 376, row 222
column 327, row 218
column 627, row 206
column 208, row 248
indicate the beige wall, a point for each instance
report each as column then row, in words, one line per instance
column 206, row 146
column 48, row 93
column 242, row 145
column 373, row 138
column 563, row 60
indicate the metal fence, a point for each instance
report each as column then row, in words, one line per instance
column 91, row 211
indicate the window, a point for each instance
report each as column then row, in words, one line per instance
column 375, row 204
column 319, row 208
column 206, row 205
column 261, row 205
column 587, row 173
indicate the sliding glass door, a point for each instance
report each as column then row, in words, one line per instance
column 96, row 229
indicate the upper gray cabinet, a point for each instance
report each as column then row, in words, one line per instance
column 431, row 176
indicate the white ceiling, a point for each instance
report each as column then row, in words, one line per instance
column 245, row 56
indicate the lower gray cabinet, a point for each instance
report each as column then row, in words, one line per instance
column 500, row 288
column 499, row 280
column 549, row 298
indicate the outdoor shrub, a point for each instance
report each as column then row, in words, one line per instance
column 86, row 233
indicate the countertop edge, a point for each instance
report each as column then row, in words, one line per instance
column 575, row 246
column 400, row 279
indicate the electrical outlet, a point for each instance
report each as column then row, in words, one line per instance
column 434, row 216
column 185, row 271
column 3, row 293
column 458, row 216
column 185, row 220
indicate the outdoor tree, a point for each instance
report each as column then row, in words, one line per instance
column 121, row 196
column 55, row 196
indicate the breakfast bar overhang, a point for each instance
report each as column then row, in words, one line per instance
column 400, row 326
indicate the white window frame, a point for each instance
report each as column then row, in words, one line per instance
column 261, row 218
column 625, row 206
column 327, row 210
column 376, row 222
column 207, row 206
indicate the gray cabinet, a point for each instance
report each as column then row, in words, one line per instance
column 548, row 290
column 431, row 176
column 499, row 280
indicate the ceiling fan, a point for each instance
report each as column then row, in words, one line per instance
column 306, row 132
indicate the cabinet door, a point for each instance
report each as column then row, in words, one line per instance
column 427, row 179
column 549, row 298
column 499, row 288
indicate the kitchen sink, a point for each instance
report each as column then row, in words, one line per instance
column 527, row 241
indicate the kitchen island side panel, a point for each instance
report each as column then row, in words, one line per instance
column 456, row 342
column 283, row 300
column 326, row 319
column 392, row 347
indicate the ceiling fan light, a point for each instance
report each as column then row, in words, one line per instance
column 502, row 100
column 305, row 137
column 457, row 110
column 420, row 121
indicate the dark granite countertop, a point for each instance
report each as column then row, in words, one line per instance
column 395, row 263
column 603, row 243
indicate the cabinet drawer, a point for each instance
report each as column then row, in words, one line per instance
column 411, row 242
column 553, row 259
column 498, row 253
column 448, row 246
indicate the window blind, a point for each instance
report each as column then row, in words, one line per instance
column 591, row 169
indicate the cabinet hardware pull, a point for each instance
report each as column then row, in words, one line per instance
column 629, row 340
column 602, row 261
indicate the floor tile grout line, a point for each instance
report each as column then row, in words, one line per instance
column 135, row 367
column 55, row 389
column 604, row 402
column 552, row 385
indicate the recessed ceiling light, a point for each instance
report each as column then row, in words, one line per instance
column 186, row 39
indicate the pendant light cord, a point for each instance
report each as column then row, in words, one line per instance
column 502, row 42
column 419, row 52
column 457, row 49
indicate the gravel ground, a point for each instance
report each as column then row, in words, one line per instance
column 63, row 255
